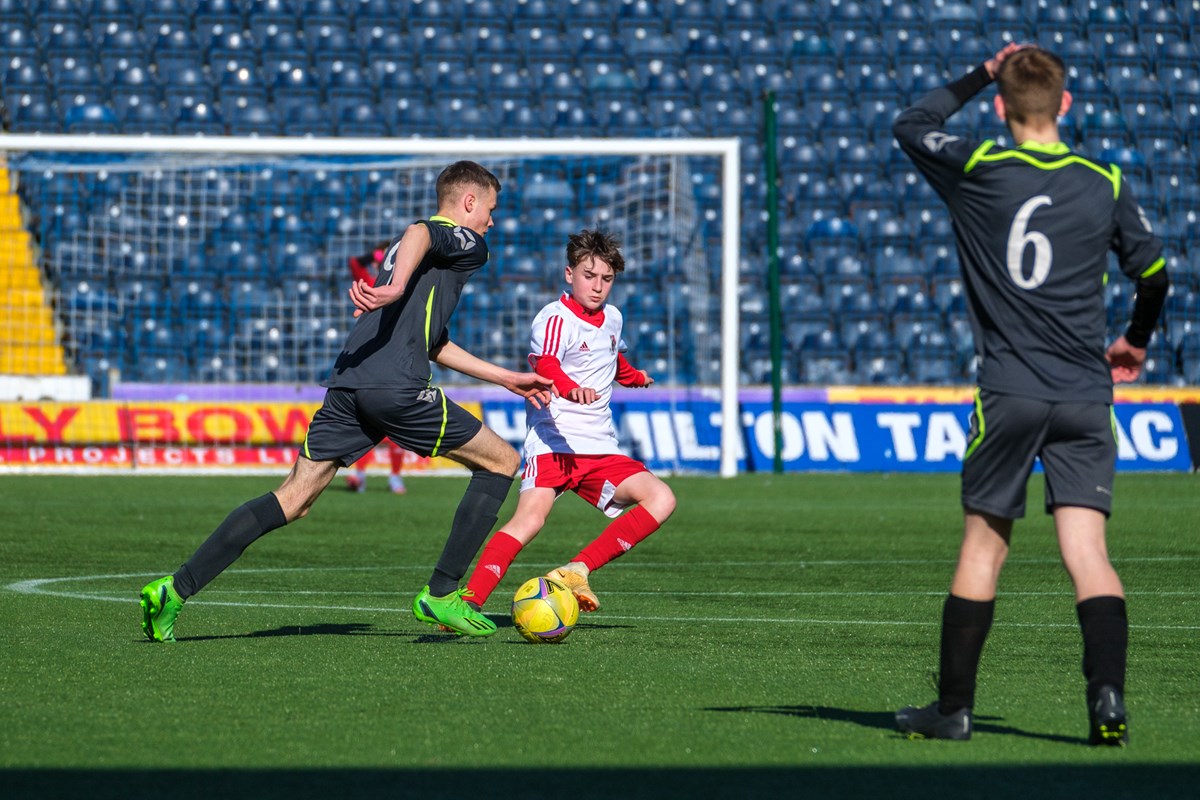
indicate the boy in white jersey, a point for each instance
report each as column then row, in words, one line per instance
column 572, row 442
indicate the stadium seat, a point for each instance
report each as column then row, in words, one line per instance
column 14, row 11
column 173, row 13
column 36, row 116
column 534, row 14
column 90, row 118
column 145, row 116
column 176, row 48
column 641, row 15
column 18, row 41
column 345, row 86
column 251, row 119
column 1108, row 22
column 226, row 13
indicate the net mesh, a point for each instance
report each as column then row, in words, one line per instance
column 181, row 268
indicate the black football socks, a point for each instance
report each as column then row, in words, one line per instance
column 965, row 626
column 473, row 521
column 244, row 524
column 1105, row 630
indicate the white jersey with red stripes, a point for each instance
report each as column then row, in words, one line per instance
column 587, row 350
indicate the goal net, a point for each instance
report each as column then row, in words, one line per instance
column 200, row 285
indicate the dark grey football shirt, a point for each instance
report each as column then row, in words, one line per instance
column 390, row 346
column 1034, row 226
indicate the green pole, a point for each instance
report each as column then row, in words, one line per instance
column 772, row 170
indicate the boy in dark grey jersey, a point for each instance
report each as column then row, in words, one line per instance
column 1034, row 225
column 381, row 386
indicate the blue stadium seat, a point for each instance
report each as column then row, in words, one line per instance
column 857, row 329
column 309, row 120
column 120, row 47
column 90, row 118
column 173, row 13
column 281, row 49
column 14, row 11
column 176, row 48
column 145, row 116
column 641, row 15
column 199, row 118
column 759, row 56
column 535, row 14
column 908, row 18
column 543, row 49
column 66, row 39
column 251, row 119
column 811, row 52
column 1105, row 129
column 102, row 12
column 277, row 14
column 1121, row 54
column 1108, row 21
column 1176, row 55
column 241, row 81
column 1058, row 18
column 346, row 86
column 23, row 78
column 226, row 13
column 18, row 40
column 410, row 119
column 692, row 18
column 520, row 120
column 611, row 86
column 1004, row 23
column 50, row 12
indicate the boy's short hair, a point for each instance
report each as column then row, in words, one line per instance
column 595, row 244
column 1031, row 82
column 461, row 174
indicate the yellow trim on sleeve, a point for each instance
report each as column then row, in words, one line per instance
column 1153, row 268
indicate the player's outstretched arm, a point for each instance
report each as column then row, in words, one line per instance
column 390, row 284
column 533, row 387
column 1125, row 360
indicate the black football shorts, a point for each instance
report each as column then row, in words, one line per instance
column 1076, row 443
column 352, row 421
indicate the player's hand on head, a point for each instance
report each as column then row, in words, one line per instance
column 1125, row 360
column 993, row 63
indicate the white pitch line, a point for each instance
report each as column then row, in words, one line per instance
column 36, row 587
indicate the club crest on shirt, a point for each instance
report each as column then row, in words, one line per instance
column 612, row 343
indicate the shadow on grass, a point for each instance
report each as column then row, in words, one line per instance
column 886, row 720
column 1096, row 782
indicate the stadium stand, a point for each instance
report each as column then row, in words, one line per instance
column 874, row 296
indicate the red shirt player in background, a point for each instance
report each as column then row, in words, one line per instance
column 572, row 442
column 365, row 268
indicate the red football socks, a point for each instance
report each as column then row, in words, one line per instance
column 494, row 561
column 621, row 535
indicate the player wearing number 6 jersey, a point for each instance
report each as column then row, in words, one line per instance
column 1035, row 224
column 572, row 442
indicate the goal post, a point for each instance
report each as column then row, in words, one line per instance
column 169, row 199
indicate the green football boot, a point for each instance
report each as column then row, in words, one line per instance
column 160, row 606
column 452, row 613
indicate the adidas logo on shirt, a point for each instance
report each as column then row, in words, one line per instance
column 583, row 348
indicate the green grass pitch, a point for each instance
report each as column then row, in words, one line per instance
column 755, row 647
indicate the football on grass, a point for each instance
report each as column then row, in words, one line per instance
column 544, row 610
